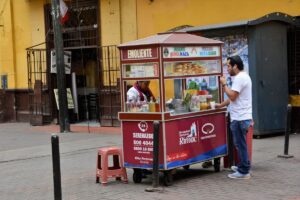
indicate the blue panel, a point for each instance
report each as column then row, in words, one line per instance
column 206, row 156
column 149, row 166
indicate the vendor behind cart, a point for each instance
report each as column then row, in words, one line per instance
column 140, row 89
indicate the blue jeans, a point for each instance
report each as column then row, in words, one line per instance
column 239, row 131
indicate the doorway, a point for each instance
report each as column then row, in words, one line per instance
column 83, row 81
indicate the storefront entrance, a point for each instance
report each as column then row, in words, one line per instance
column 93, row 78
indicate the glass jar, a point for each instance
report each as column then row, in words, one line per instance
column 203, row 105
column 209, row 98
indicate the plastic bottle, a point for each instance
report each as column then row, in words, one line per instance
column 151, row 105
column 208, row 100
column 145, row 106
column 203, row 104
column 138, row 105
column 128, row 105
column 133, row 106
column 157, row 104
column 203, row 85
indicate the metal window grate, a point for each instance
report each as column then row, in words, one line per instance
column 38, row 82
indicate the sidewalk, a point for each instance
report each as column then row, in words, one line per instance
column 26, row 169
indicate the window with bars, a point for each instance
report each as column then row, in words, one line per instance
column 81, row 29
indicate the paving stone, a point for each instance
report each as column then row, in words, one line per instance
column 26, row 170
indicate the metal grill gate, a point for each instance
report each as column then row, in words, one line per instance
column 39, row 92
column 109, row 92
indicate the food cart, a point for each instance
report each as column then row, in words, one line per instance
column 183, row 71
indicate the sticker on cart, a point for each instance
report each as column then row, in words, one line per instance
column 207, row 131
column 142, row 142
column 177, row 156
column 143, row 126
column 188, row 136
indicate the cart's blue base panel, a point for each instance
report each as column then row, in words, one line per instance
column 217, row 152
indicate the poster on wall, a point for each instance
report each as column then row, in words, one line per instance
column 69, row 98
column 137, row 70
column 67, row 62
column 234, row 45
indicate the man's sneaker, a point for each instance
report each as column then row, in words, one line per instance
column 234, row 168
column 238, row 175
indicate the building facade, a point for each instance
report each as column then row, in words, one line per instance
column 91, row 34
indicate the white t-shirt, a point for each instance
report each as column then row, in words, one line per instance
column 241, row 108
column 133, row 94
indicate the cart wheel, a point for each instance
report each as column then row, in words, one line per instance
column 137, row 176
column 168, row 178
column 186, row 167
column 217, row 164
column 145, row 172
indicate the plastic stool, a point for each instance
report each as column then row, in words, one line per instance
column 104, row 171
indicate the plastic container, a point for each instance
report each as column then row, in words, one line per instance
column 151, row 105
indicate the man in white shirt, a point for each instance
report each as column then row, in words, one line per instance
column 240, row 100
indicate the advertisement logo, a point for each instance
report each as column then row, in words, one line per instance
column 207, row 128
column 143, row 126
column 193, row 130
column 166, row 52
column 188, row 136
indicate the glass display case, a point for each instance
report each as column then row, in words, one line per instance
column 188, row 86
column 195, row 67
column 192, row 94
column 140, row 70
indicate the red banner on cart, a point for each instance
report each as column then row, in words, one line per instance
column 138, row 144
column 139, row 54
column 195, row 139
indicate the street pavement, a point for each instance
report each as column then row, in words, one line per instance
column 26, row 169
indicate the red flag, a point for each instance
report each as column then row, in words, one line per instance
column 63, row 11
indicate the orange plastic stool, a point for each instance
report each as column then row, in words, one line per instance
column 104, row 171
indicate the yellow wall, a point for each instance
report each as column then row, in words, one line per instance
column 37, row 23
column 110, row 22
column 22, row 40
column 118, row 25
column 118, row 21
column 22, row 23
column 6, row 43
column 23, row 26
column 162, row 15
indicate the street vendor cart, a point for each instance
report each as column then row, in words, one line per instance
column 183, row 71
